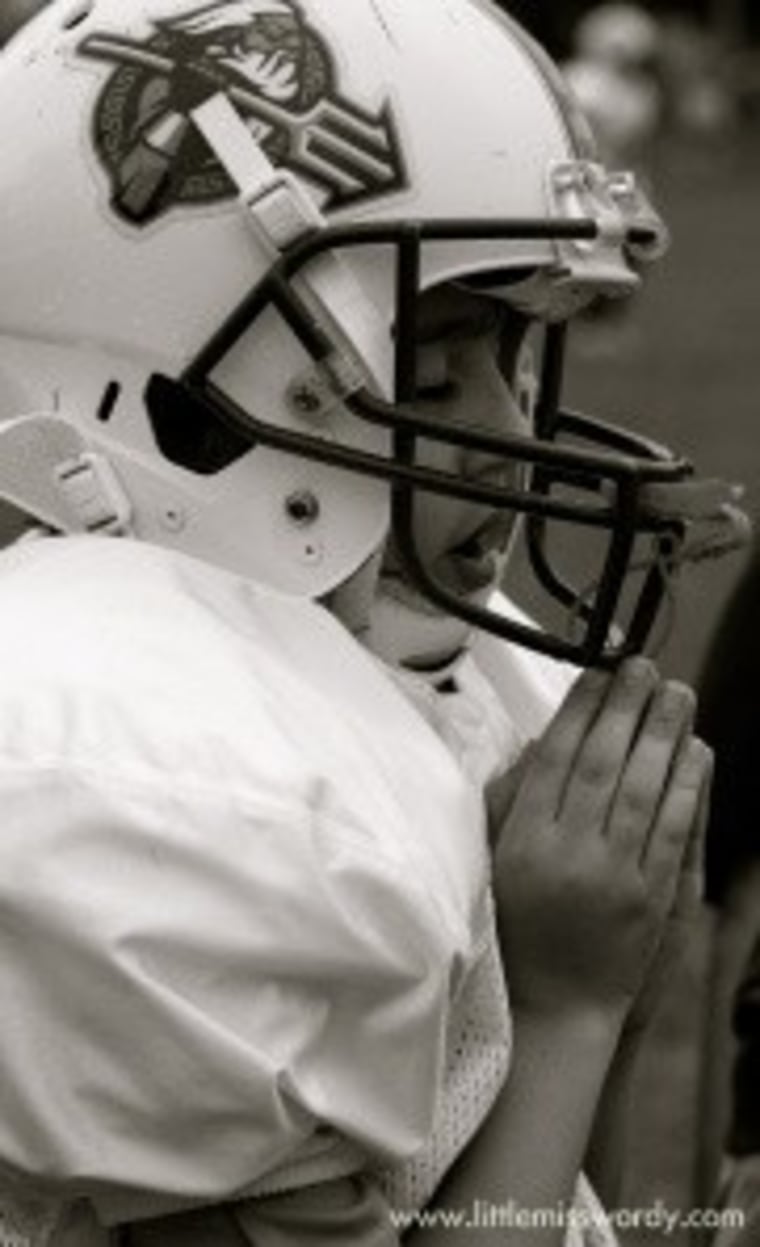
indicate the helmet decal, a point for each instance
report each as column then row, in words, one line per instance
column 280, row 75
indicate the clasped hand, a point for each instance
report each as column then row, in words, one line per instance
column 597, row 850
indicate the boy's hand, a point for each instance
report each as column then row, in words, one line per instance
column 678, row 925
column 590, row 848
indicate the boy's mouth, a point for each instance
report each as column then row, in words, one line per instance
column 473, row 564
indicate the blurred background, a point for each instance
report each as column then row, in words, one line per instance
column 673, row 90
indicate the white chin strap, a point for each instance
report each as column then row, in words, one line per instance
column 48, row 473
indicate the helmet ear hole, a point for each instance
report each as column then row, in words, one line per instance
column 186, row 433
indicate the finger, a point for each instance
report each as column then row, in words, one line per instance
column 681, row 808
column 554, row 753
column 666, row 725
column 690, row 889
column 604, row 753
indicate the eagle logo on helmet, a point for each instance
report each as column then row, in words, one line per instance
column 280, row 75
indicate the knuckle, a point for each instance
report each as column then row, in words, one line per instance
column 671, row 834
column 634, row 803
column 593, row 766
column 676, row 830
column 550, row 752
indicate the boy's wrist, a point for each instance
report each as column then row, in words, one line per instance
column 588, row 1025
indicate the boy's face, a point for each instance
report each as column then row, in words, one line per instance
column 468, row 366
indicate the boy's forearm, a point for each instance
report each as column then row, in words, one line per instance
column 527, row 1156
column 605, row 1156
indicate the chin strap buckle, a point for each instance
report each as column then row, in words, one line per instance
column 279, row 209
column 281, row 213
column 94, row 493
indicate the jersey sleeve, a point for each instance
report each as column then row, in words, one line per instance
column 204, row 985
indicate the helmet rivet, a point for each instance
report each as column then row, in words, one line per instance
column 306, row 399
column 173, row 519
column 312, row 553
column 302, row 507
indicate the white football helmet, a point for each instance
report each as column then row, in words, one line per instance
column 215, row 218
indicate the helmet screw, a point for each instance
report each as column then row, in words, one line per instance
column 302, row 507
column 173, row 519
column 306, row 399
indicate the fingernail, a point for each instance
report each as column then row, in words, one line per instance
column 595, row 678
column 676, row 700
column 698, row 756
column 637, row 670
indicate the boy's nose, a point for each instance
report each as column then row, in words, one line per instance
column 489, row 406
